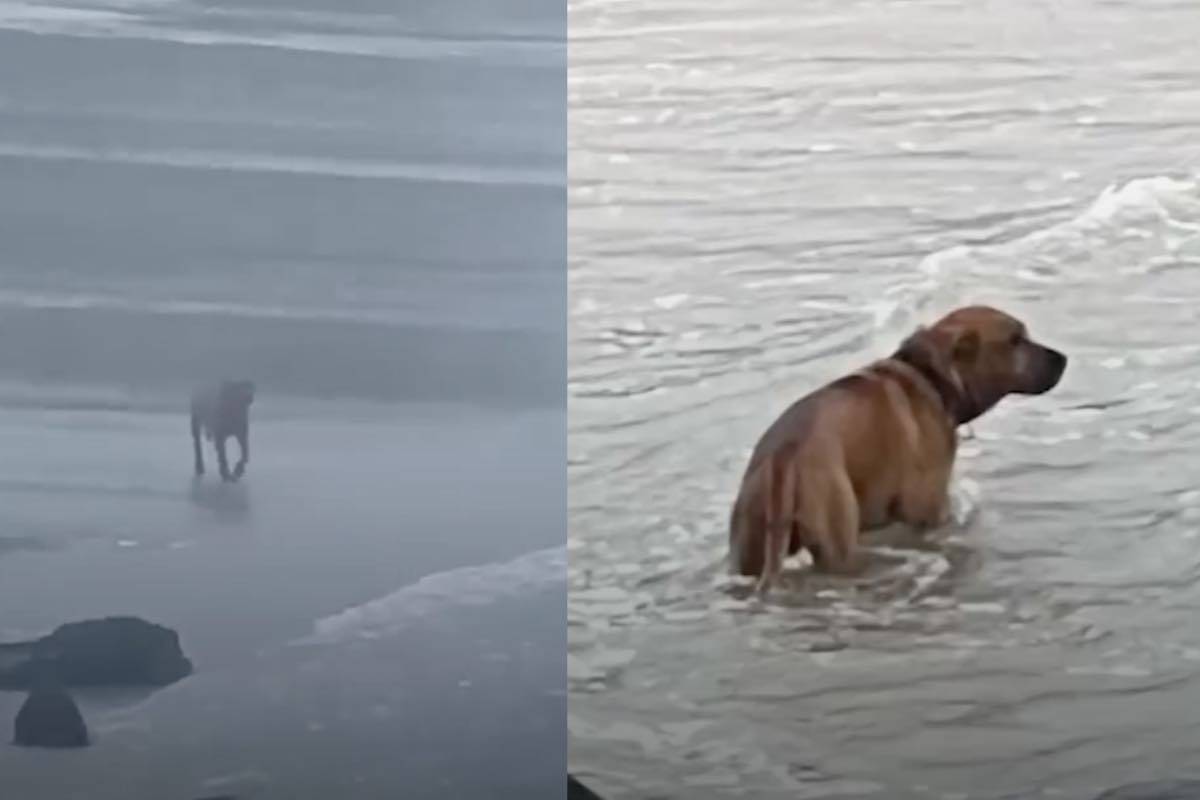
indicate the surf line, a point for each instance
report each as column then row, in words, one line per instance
column 479, row 585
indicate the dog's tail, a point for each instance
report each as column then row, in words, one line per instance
column 760, row 525
column 780, row 499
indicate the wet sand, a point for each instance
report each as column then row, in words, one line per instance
column 101, row 516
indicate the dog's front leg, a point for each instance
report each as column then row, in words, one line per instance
column 926, row 503
column 243, row 440
column 937, row 514
column 222, row 461
column 197, row 447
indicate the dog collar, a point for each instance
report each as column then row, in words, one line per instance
column 951, row 397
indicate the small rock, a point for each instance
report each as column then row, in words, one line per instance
column 50, row 718
column 577, row 791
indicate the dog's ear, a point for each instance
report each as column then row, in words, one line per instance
column 966, row 347
column 920, row 346
column 925, row 350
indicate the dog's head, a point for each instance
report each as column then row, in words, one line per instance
column 238, row 393
column 977, row 355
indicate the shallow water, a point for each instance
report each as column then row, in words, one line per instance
column 760, row 201
column 320, row 196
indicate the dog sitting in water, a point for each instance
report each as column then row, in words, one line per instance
column 878, row 446
column 219, row 412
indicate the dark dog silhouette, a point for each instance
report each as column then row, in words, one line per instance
column 218, row 413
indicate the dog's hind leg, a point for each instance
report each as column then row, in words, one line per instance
column 795, row 541
column 197, row 448
column 836, row 549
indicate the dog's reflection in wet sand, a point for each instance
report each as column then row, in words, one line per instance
column 227, row 502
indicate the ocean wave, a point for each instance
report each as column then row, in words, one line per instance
column 1128, row 227
column 148, row 348
column 433, row 594
column 337, row 34
column 82, row 301
column 229, row 161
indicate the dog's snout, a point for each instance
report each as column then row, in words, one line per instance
column 1054, row 364
column 1058, row 361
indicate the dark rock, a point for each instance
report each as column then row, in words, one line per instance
column 49, row 718
column 115, row 651
column 1155, row 790
column 577, row 791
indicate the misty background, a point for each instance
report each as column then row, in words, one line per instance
column 364, row 212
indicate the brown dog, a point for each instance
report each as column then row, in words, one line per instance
column 878, row 446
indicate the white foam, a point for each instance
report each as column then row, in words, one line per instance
column 433, row 594
column 1159, row 197
column 80, row 301
column 951, row 277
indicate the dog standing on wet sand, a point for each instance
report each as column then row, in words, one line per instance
column 219, row 412
column 878, row 446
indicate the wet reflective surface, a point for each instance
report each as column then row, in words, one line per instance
column 763, row 200
column 319, row 195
